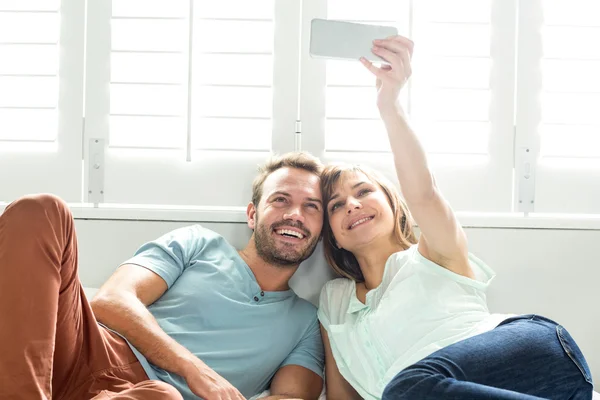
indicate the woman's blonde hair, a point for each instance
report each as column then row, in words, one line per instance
column 342, row 261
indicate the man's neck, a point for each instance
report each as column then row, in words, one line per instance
column 270, row 278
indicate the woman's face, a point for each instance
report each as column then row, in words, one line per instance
column 359, row 212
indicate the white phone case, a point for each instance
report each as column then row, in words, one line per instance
column 346, row 40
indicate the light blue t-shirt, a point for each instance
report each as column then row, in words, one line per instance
column 215, row 308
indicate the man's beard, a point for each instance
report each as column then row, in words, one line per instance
column 283, row 254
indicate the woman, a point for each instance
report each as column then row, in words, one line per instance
column 409, row 320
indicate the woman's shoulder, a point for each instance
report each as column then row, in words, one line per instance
column 335, row 296
column 400, row 259
column 425, row 267
column 405, row 255
column 337, row 287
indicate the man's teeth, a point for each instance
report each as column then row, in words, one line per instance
column 360, row 221
column 290, row 233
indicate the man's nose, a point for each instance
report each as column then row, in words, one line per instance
column 294, row 214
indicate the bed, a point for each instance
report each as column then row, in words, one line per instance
column 90, row 292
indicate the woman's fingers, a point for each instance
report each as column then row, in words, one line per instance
column 395, row 46
column 410, row 45
column 400, row 47
column 371, row 67
column 397, row 52
column 388, row 55
column 405, row 57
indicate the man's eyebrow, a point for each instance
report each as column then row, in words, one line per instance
column 286, row 194
column 279, row 193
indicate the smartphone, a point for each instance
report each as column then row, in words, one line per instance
column 346, row 40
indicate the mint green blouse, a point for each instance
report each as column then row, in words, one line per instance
column 419, row 308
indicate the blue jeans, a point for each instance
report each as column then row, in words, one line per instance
column 526, row 357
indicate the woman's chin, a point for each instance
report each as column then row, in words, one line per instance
column 368, row 240
column 365, row 243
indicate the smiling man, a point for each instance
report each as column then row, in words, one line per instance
column 187, row 312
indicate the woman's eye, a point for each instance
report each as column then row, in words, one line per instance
column 335, row 207
column 364, row 192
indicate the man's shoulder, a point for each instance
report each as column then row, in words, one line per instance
column 302, row 317
column 194, row 231
column 304, row 304
column 301, row 310
column 198, row 235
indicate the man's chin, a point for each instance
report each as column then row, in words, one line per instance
column 295, row 256
column 289, row 259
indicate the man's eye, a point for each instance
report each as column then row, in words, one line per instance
column 280, row 199
column 313, row 205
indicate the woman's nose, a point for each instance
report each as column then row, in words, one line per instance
column 353, row 204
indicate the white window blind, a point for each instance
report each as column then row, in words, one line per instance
column 570, row 125
column 41, row 92
column 228, row 91
column 450, row 96
column 29, row 33
column 148, row 68
column 448, row 99
column 460, row 98
column 350, row 109
column 193, row 92
column 232, row 99
column 563, row 114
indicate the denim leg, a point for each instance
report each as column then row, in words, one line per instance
column 527, row 357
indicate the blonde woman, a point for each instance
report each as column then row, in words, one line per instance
column 409, row 318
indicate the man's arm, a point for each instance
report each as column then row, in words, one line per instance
column 295, row 382
column 121, row 305
column 299, row 376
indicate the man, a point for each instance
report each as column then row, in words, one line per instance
column 200, row 319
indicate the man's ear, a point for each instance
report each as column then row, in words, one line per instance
column 251, row 216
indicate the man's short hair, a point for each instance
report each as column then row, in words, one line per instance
column 297, row 159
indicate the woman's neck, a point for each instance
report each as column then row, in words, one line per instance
column 372, row 259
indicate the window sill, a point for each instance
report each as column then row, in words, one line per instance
column 238, row 215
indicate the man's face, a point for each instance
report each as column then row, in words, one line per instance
column 288, row 220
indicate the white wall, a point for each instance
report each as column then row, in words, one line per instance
column 550, row 272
